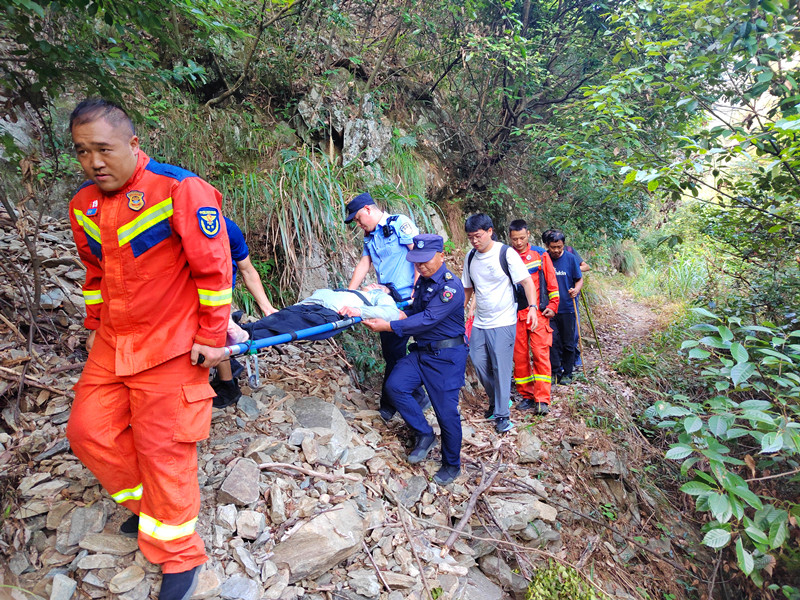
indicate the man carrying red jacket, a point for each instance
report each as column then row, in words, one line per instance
column 158, row 294
column 534, row 384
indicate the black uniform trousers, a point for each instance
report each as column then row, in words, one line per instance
column 562, row 352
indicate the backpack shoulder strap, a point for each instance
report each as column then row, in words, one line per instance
column 470, row 256
column 504, row 262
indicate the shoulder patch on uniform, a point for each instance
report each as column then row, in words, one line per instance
column 406, row 228
column 135, row 200
column 208, row 218
column 448, row 276
column 447, row 294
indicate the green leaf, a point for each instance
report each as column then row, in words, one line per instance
column 771, row 442
column 717, row 538
column 739, row 352
column 718, row 425
column 695, row 488
column 692, row 424
column 748, row 496
column 756, row 535
column 699, row 353
column 720, row 507
column 725, row 333
column 678, row 452
column 758, row 416
column 705, row 313
column 744, row 558
column 778, row 533
column 755, row 404
column 742, row 372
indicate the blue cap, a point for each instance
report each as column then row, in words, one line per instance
column 426, row 245
column 356, row 204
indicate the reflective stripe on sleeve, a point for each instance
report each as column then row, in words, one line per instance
column 214, row 298
column 160, row 531
column 152, row 216
column 552, row 295
column 129, row 494
column 92, row 297
column 89, row 226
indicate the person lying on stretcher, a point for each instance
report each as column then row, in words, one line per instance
column 323, row 306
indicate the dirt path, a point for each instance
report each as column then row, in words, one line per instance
column 619, row 324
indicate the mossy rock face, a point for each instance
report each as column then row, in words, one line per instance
column 558, row 582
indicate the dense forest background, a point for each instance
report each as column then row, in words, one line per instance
column 660, row 135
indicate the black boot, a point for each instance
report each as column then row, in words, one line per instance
column 179, row 586
column 227, row 393
column 130, row 528
column 447, row 474
column 421, row 448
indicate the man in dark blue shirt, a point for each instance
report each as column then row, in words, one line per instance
column 570, row 282
column 437, row 358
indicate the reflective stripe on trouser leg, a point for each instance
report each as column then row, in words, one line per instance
column 523, row 343
column 99, row 431
column 541, row 340
column 171, row 411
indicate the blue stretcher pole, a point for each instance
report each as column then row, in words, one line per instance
column 254, row 346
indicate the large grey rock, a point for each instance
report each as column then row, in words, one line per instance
column 87, row 520
column 364, row 582
column 226, row 517
column 514, row 513
column 477, row 586
column 365, row 139
column 321, row 543
column 241, row 485
column 97, row 561
column 118, row 545
column 140, row 592
column 277, row 513
column 126, row 580
column 239, row 587
column 244, row 558
column 19, row 563
column 327, row 422
column 208, row 585
column 529, row 447
column 250, row 524
column 411, row 494
column 497, row 570
column 63, row 587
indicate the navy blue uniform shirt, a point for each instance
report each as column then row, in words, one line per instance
column 239, row 249
column 568, row 271
column 437, row 312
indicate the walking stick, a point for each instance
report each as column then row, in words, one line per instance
column 591, row 324
column 580, row 337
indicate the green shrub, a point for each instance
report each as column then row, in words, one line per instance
column 559, row 582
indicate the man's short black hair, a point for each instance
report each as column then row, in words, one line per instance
column 518, row 225
column 553, row 235
column 478, row 222
column 92, row 109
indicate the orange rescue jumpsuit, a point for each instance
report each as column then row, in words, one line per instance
column 535, row 383
column 158, row 279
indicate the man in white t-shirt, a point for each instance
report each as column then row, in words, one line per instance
column 491, row 344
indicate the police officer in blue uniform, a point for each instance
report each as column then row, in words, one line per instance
column 437, row 358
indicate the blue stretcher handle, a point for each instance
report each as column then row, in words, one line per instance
column 252, row 347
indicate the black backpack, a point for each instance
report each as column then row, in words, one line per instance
column 519, row 291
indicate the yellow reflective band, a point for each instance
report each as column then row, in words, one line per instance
column 160, row 531
column 212, row 298
column 523, row 379
column 152, row 216
column 543, row 378
column 130, row 494
column 92, row 297
column 89, row 226
column 552, row 295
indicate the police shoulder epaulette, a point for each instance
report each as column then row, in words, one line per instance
column 448, row 276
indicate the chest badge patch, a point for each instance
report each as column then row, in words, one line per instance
column 92, row 210
column 208, row 218
column 447, row 294
column 135, row 200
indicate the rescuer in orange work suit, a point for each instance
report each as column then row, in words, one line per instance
column 534, row 384
column 158, row 294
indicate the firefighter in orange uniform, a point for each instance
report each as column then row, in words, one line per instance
column 158, row 294
column 534, row 384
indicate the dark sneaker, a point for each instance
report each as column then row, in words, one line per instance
column 421, row 448
column 179, row 586
column 228, row 393
column 503, row 424
column 130, row 528
column 527, row 404
column 447, row 474
column 489, row 413
column 564, row 380
column 386, row 414
column 541, row 408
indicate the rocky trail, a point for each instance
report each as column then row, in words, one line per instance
column 306, row 492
